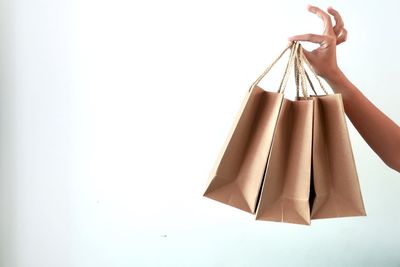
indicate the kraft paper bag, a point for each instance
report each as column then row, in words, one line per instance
column 286, row 188
column 285, row 191
column 335, row 188
column 336, row 185
column 237, row 178
column 238, row 172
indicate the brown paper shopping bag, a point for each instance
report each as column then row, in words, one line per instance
column 336, row 185
column 286, row 187
column 238, row 172
column 335, row 181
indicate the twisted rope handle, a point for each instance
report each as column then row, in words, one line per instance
column 303, row 58
column 291, row 62
column 293, row 46
column 301, row 75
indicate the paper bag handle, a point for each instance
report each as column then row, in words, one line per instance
column 301, row 75
column 302, row 58
column 293, row 46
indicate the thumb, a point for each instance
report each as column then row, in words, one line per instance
column 309, row 56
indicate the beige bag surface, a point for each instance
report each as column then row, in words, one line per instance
column 335, row 180
column 236, row 178
column 286, row 188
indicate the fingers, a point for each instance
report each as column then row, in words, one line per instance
column 289, row 44
column 340, row 31
column 338, row 21
column 342, row 38
column 323, row 40
column 328, row 30
column 332, row 35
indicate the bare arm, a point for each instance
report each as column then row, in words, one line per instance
column 378, row 130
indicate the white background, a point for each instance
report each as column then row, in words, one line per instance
column 113, row 114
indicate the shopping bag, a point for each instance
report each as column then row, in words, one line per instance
column 335, row 184
column 237, row 175
column 285, row 191
column 286, row 186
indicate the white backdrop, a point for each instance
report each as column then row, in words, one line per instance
column 113, row 113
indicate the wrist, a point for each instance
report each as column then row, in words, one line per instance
column 340, row 84
column 336, row 76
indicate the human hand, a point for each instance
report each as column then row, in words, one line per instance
column 323, row 59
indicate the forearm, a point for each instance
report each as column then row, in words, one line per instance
column 379, row 131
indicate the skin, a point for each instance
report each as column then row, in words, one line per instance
column 378, row 130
